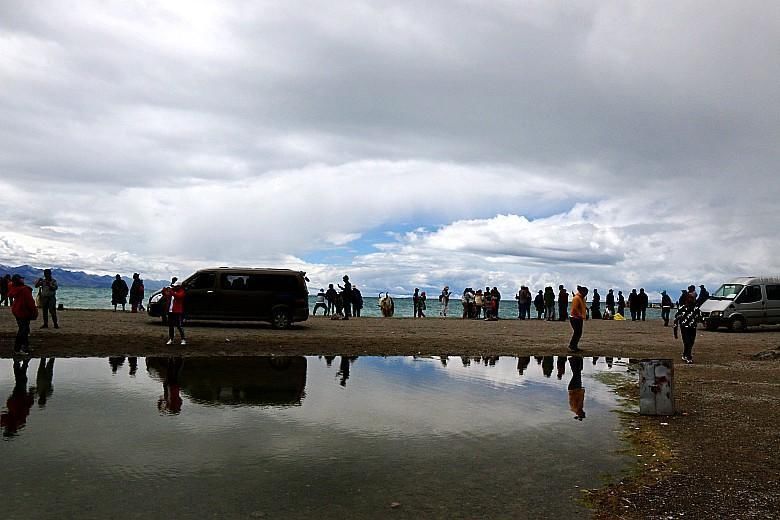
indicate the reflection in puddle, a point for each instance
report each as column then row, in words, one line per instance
column 449, row 436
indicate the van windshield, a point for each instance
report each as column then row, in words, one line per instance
column 727, row 291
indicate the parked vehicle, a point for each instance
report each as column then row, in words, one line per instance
column 743, row 302
column 278, row 296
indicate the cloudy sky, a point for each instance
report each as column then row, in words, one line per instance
column 408, row 144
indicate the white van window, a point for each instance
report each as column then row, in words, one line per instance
column 751, row 294
column 728, row 291
column 773, row 292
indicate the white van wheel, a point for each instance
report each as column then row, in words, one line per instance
column 738, row 324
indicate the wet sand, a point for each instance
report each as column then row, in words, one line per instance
column 718, row 457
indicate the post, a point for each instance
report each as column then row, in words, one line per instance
column 656, row 387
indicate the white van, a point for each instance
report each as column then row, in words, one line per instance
column 743, row 302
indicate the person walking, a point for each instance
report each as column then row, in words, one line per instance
column 666, row 307
column 24, row 310
column 48, row 291
column 320, row 303
column 685, row 319
column 563, row 303
column 176, row 296
column 643, row 303
column 136, row 293
column 444, row 301
column 330, row 297
column 119, row 292
column 578, row 313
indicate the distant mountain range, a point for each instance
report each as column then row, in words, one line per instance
column 67, row 278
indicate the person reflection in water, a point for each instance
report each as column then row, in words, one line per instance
column 115, row 363
column 561, row 365
column 547, row 365
column 576, row 391
column 19, row 403
column 170, row 402
column 522, row 364
column 43, row 381
column 344, row 367
column 133, row 362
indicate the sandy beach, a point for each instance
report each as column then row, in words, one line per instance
column 718, row 457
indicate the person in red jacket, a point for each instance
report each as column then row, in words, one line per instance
column 175, row 312
column 24, row 310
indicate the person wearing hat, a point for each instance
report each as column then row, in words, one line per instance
column 320, row 303
column 666, row 307
column 24, row 310
column 444, row 301
column 48, row 287
column 578, row 312
column 346, row 297
column 704, row 295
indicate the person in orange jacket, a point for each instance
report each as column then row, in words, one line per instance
column 578, row 313
column 24, row 310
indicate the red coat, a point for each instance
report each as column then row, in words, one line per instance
column 24, row 304
column 177, row 295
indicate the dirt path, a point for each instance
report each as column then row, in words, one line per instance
column 719, row 457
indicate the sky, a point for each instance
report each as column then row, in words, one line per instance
column 407, row 144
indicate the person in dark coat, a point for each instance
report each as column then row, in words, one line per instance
column 357, row 302
column 346, row 297
column 611, row 302
column 136, row 293
column 539, row 304
column 643, row 303
column 621, row 303
column 330, row 297
column 687, row 317
column 633, row 304
column 119, row 292
column 563, row 304
column 666, row 307
column 595, row 305
column 704, row 295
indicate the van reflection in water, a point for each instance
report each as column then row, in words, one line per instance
column 237, row 381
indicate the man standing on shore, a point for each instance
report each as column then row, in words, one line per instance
column 563, row 303
column 48, row 287
column 444, row 301
column 346, row 297
column 330, row 296
column 611, row 302
column 578, row 312
column 643, row 303
column 666, row 307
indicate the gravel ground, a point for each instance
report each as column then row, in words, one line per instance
column 719, row 457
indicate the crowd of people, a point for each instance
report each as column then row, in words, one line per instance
column 344, row 303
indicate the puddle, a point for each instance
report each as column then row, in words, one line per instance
column 298, row 437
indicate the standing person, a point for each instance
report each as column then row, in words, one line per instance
column 578, row 312
column 444, row 301
column 643, row 303
column 666, row 307
column 5, row 284
column 611, row 302
column 119, row 292
column 496, row 294
column 563, row 303
column 176, row 296
column 686, row 318
column 415, row 302
column 595, row 305
column 48, row 287
column 357, row 302
column 487, row 302
column 136, row 293
column 421, row 305
column 320, row 303
column 24, row 310
column 330, row 296
column 681, row 299
column 528, row 298
column 633, row 304
column 549, row 303
column 520, row 297
column 539, row 304
column 346, row 297
column 576, row 391
column 479, row 302
column 704, row 295
column 621, row 304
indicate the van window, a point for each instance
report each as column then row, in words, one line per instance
column 202, row 281
column 773, row 292
column 273, row 282
column 751, row 294
column 234, row 282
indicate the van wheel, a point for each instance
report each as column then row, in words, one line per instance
column 281, row 320
column 738, row 325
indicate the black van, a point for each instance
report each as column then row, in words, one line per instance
column 279, row 296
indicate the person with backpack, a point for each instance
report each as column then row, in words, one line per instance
column 24, row 310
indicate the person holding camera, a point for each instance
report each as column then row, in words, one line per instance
column 48, row 291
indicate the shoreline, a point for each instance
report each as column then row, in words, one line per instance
column 717, row 457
